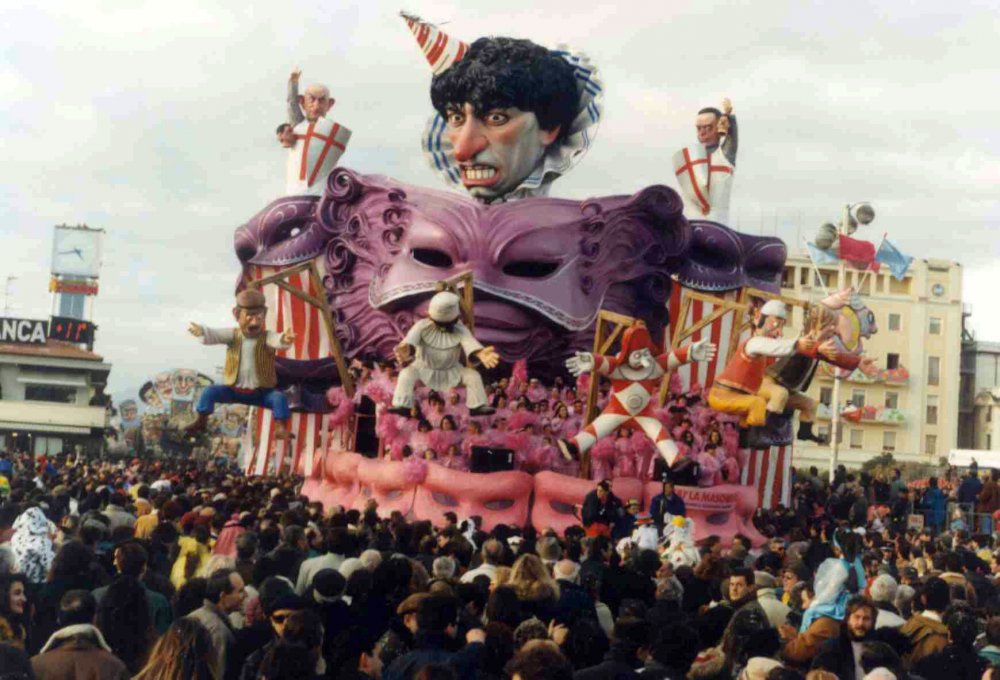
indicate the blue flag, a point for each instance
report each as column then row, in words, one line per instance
column 820, row 256
column 896, row 260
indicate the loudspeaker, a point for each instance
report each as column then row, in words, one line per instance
column 491, row 459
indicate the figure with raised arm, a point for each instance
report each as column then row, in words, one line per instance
column 315, row 143
column 635, row 373
column 705, row 169
column 249, row 376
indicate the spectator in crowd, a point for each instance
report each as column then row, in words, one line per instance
column 224, row 594
column 184, row 651
column 13, row 610
column 666, row 503
column 77, row 649
column 126, row 622
column 601, row 509
column 925, row 629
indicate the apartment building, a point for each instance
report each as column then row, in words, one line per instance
column 910, row 408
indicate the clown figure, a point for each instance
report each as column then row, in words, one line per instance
column 635, row 375
column 438, row 343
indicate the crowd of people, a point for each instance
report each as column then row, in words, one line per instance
column 532, row 416
column 165, row 569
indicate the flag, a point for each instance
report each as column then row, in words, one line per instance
column 861, row 254
column 896, row 260
column 820, row 256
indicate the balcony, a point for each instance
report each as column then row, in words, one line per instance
column 887, row 376
column 866, row 414
column 51, row 417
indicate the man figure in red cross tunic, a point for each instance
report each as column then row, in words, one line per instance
column 705, row 170
column 635, row 375
column 315, row 143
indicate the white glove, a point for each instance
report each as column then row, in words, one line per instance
column 583, row 362
column 703, row 350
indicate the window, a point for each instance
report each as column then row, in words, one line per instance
column 932, row 409
column 858, row 398
column 826, row 395
column 888, row 441
column 857, row 438
column 933, row 371
column 892, row 399
column 53, row 393
column 930, row 443
column 788, row 277
column 934, row 327
column 47, row 446
column 72, row 305
column 892, row 361
column 899, row 287
column 895, row 322
column 805, row 275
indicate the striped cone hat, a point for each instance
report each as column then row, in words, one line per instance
column 439, row 48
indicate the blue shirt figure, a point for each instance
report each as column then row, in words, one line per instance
column 935, row 504
column 667, row 502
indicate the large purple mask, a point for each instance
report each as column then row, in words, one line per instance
column 542, row 267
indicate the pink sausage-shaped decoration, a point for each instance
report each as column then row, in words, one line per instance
column 387, row 483
column 502, row 499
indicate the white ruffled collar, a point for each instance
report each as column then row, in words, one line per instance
column 559, row 157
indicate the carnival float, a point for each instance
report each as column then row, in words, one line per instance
column 491, row 351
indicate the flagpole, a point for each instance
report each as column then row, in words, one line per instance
column 861, row 283
column 819, row 276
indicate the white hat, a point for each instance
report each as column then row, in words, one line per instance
column 444, row 307
column 775, row 308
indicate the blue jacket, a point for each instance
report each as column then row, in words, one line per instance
column 969, row 489
column 935, row 504
column 662, row 505
column 432, row 648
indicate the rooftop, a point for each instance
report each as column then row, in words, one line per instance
column 56, row 349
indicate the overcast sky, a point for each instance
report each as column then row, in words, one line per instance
column 154, row 121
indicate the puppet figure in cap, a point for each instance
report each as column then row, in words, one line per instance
column 435, row 346
column 249, row 376
column 635, row 375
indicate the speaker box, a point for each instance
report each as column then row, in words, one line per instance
column 491, row 459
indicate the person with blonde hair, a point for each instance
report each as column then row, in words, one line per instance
column 184, row 652
column 535, row 587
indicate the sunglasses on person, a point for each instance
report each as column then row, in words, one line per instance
column 279, row 618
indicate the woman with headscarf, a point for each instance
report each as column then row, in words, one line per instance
column 32, row 545
column 822, row 618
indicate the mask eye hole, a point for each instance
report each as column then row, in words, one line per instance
column 530, row 269
column 432, row 257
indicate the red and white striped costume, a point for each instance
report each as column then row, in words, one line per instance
column 631, row 402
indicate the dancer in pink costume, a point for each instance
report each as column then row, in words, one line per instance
column 635, row 375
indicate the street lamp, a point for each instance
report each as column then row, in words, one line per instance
column 863, row 213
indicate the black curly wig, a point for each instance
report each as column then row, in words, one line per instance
column 498, row 73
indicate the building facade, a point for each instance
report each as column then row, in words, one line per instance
column 911, row 407
column 50, row 398
column 979, row 425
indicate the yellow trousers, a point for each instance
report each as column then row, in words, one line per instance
column 780, row 398
column 751, row 407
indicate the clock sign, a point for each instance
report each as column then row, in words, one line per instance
column 938, row 290
column 71, row 330
column 76, row 251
